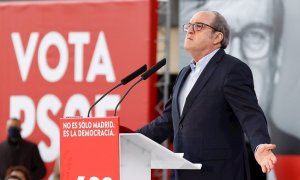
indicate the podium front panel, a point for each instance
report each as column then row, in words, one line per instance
column 89, row 148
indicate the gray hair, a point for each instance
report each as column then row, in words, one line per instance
column 221, row 25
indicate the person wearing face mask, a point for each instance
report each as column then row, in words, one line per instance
column 16, row 151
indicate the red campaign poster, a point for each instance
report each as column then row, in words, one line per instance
column 89, row 148
column 59, row 57
column 287, row 167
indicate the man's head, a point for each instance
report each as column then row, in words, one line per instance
column 13, row 126
column 206, row 31
column 255, row 34
column 17, row 173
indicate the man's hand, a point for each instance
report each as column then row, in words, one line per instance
column 265, row 157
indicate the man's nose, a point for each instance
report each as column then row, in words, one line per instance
column 190, row 30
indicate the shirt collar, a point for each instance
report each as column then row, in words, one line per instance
column 203, row 61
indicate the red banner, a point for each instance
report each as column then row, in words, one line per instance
column 57, row 58
column 89, row 148
column 287, row 167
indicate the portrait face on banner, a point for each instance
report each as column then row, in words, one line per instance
column 263, row 35
column 254, row 39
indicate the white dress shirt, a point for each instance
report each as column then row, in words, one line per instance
column 196, row 70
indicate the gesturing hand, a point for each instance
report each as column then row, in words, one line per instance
column 265, row 157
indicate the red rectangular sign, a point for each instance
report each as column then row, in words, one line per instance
column 89, row 147
column 59, row 57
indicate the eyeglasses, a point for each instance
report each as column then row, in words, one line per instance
column 196, row 27
column 255, row 41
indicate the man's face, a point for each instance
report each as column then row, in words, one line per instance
column 13, row 124
column 251, row 38
column 13, row 130
column 199, row 42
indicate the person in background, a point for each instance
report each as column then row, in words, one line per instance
column 17, row 173
column 17, row 151
column 212, row 105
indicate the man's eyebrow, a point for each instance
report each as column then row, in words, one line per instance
column 199, row 23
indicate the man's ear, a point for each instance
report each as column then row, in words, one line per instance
column 218, row 37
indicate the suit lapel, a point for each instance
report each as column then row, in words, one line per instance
column 202, row 80
column 181, row 78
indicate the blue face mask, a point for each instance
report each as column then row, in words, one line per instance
column 14, row 132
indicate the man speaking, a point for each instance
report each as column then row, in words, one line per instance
column 212, row 105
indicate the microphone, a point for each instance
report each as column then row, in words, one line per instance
column 153, row 69
column 124, row 81
column 144, row 76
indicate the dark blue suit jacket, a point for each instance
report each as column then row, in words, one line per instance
column 220, row 108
